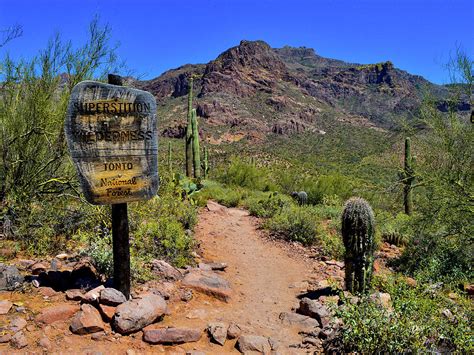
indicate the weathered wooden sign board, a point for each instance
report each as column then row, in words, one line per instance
column 112, row 136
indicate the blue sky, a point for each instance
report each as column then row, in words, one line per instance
column 417, row 36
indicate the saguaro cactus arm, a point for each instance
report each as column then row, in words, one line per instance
column 189, row 132
column 196, row 151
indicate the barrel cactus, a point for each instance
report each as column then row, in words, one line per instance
column 358, row 230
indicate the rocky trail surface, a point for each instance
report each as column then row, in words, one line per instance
column 247, row 293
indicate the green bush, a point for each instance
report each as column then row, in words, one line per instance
column 395, row 230
column 331, row 243
column 267, row 205
column 294, row 223
column 329, row 187
column 416, row 323
column 243, row 174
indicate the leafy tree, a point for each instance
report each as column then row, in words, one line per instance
column 443, row 244
column 34, row 97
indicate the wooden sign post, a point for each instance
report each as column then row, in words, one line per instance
column 112, row 136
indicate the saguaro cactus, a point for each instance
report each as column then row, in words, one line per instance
column 358, row 229
column 407, row 176
column 205, row 165
column 189, row 132
column 196, row 152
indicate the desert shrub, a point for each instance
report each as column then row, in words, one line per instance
column 230, row 196
column 244, row 174
column 330, row 242
column 417, row 323
column 334, row 186
column 267, row 205
column 164, row 238
column 294, row 223
column 394, row 230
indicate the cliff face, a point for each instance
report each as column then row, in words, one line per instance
column 253, row 90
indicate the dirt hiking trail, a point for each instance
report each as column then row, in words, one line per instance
column 267, row 278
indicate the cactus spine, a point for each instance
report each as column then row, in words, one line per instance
column 196, row 152
column 205, row 163
column 358, row 229
column 169, row 157
column 189, row 132
column 408, row 177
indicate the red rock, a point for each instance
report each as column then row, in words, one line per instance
column 74, row 295
column 94, row 294
column 209, row 283
column 112, row 297
column 44, row 342
column 171, row 335
column 165, row 271
column 5, row 338
column 38, row 268
column 107, row 312
column 57, row 313
column 469, row 289
column 5, row 306
column 47, row 291
column 248, row 343
column 233, row 331
column 87, row 321
column 19, row 341
column 17, row 324
column 218, row 332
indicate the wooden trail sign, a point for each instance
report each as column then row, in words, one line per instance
column 112, row 136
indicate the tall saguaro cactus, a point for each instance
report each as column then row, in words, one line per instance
column 196, row 152
column 408, row 177
column 189, row 132
column 358, row 229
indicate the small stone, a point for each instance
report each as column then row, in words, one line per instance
column 112, row 297
column 87, row 321
column 57, row 313
column 17, row 324
column 274, row 344
column 218, row 332
column 316, row 310
column 186, row 295
column 19, row 341
column 107, row 312
column 25, row 264
column 38, row 268
column 313, row 341
column 74, row 294
column 234, row 331
column 171, row 335
column 47, row 291
column 35, row 283
column 248, row 343
column 98, row 336
column 453, row 295
column 62, row 256
column 44, row 342
column 30, row 327
column 93, row 295
column 165, row 271
column 303, row 323
column 5, row 306
column 5, row 338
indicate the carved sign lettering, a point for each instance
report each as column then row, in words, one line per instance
column 113, row 140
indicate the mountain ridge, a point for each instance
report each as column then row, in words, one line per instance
column 252, row 90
